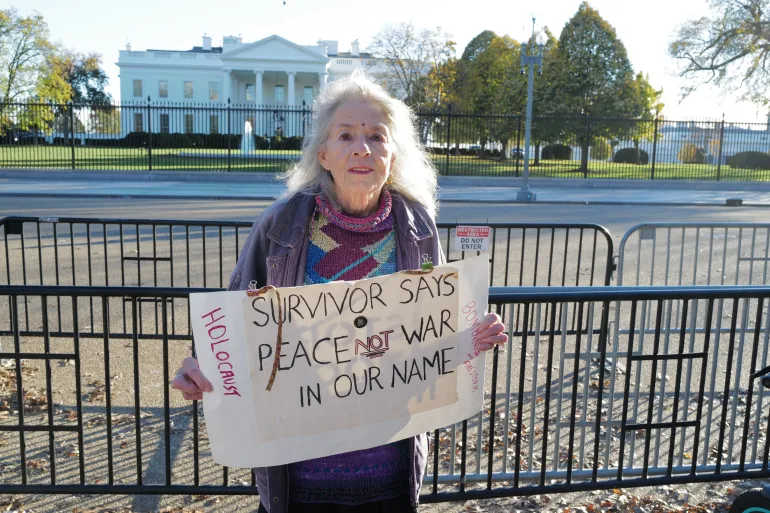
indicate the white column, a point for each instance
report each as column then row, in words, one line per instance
column 258, row 88
column 290, row 98
column 227, row 88
column 322, row 77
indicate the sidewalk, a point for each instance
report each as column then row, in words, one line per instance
column 224, row 186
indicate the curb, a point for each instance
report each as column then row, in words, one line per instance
column 91, row 195
column 449, row 200
column 463, row 181
column 144, row 176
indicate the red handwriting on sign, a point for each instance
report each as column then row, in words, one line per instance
column 375, row 345
column 217, row 331
column 473, row 231
column 473, row 320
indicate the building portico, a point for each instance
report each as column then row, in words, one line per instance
column 266, row 83
column 270, row 87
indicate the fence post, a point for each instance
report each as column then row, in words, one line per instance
column 149, row 134
column 448, row 137
column 654, row 146
column 721, row 146
column 584, row 152
column 72, row 133
column 229, row 137
column 518, row 145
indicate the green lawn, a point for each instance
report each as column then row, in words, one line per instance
column 137, row 159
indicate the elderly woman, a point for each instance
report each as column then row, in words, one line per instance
column 361, row 203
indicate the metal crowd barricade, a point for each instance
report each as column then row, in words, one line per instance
column 98, row 417
column 169, row 253
column 692, row 254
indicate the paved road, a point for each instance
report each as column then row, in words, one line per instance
column 616, row 218
column 450, row 191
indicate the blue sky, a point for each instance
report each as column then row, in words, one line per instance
column 646, row 29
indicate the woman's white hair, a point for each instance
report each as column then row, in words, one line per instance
column 412, row 174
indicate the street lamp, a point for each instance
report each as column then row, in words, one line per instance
column 531, row 57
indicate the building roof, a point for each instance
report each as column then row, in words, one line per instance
column 195, row 49
column 361, row 55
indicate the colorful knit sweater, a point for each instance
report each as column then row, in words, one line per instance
column 349, row 248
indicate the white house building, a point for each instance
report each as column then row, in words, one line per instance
column 264, row 81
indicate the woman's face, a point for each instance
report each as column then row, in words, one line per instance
column 358, row 153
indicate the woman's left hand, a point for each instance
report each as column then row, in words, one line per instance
column 491, row 332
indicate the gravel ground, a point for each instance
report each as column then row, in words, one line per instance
column 549, row 377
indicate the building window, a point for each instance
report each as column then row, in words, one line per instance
column 163, row 88
column 188, row 123
column 164, row 124
column 214, row 124
column 279, row 94
column 138, row 122
column 250, row 92
column 137, row 88
column 214, row 91
column 188, row 90
column 308, row 95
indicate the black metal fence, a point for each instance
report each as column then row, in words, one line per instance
column 93, row 321
column 166, row 253
column 583, row 411
column 224, row 137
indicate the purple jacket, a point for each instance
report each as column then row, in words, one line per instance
column 275, row 254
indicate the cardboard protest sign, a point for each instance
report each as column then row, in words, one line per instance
column 360, row 364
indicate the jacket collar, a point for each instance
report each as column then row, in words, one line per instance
column 291, row 225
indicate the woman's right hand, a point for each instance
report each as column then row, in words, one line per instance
column 190, row 380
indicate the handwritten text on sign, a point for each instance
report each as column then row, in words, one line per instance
column 472, row 238
column 360, row 364
column 346, row 347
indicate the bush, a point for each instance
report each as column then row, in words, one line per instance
column 278, row 142
column 556, row 152
column 104, row 142
column 65, row 141
column 197, row 141
column 691, row 154
column 600, row 149
column 750, row 160
column 628, row 156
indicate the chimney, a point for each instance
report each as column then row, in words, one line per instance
column 324, row 50
column 331, row 47
column 206, row 43
column 230, row 42
column 354, row 49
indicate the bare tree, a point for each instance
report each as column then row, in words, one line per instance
column 406, row 56
column 729, row 49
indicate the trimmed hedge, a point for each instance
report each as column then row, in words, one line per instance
column 600, row 149
column 441, row 150
column 65, row 141
column 750, row 160
column 284, row 143
column 200, row 141
column 556, row 152
column 628, row 156
column 691, row 154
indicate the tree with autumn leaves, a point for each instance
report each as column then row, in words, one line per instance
column 36, row 70
column 586, row 74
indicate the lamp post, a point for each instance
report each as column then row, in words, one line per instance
column 531, row 57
